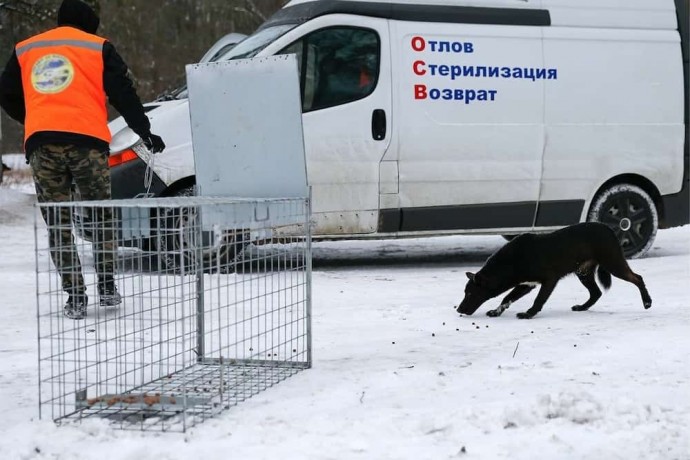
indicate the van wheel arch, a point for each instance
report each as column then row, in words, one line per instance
column 635, row 179
column 174, row 256
column 179, row 185
column 646, row 185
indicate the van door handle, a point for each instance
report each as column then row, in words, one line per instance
column 378, row 125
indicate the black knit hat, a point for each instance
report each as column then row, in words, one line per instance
column 78, row 14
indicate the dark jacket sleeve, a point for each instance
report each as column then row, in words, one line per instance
column 121, row 93
column 11, row 90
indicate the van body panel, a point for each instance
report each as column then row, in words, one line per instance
column 623, row 14
column 526, row 4
column 531, row 165
column 610, row 99
column 677, row 206
column 388, row 178
column 172, row 118
column 496, row 12
column 600, row 123
column 342, row 154
column 454, row 152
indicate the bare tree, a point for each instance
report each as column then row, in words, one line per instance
column 250, row 8
column 155, row 37
column 30, row 10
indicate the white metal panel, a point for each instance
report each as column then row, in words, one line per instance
column 247, row 128
column 453, row 153
column 479, row 3
column 170, row 120
column 645, row 14
column 389, row 177
column 616, row 108
column 630, row 14
column 246, row 125
column 342, row 156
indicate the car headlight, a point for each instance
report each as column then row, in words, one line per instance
column 136, row 152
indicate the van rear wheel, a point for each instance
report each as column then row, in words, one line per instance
column 631, row 213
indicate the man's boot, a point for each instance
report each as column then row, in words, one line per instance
column 75, row 308
column 107, row 292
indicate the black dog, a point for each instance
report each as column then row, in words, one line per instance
column 531, row 259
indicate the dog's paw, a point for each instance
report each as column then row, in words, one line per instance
column 647, row 305
column 493, row 313
column 524, row 315
column 579, row 308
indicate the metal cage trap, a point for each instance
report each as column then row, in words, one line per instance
column 215, row 306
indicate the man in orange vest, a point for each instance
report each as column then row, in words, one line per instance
column 56, row 84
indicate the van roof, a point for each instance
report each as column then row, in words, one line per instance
column 490, row 3
column 634, row 14
column 469, row 12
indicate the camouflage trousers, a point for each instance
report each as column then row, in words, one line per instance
column 55, row 168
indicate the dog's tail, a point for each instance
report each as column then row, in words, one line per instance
column 604, row 277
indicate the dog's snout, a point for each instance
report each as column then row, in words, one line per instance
column 464, row 310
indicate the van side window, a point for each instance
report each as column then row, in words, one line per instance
column 337, row 65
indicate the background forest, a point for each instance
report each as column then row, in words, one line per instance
column 155, row 37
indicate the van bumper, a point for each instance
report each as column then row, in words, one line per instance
column 127, row 181
column 676, row 207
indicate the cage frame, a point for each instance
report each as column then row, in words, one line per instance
column 186, row 414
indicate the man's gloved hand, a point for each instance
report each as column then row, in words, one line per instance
column 154, row 143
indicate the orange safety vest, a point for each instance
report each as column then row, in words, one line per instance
column 62, row 78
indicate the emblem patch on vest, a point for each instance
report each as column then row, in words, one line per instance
column 52, row 74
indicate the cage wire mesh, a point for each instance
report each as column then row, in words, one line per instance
column 215, row 306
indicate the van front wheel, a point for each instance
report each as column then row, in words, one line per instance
column 182, row 246
column 631, row 213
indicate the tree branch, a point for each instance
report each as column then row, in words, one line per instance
column 28, row 9
column 251, row 9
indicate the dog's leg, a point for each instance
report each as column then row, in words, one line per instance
column 544, row 293
column 514, row 295
column 637, row 280
column 594, row 292
column 620, row 269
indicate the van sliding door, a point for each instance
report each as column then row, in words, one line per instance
column 470, row 102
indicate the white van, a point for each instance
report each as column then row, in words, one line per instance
column 470, row 116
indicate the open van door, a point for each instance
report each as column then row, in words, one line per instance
column 346, row 102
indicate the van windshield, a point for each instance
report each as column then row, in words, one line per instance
column 247, row 48
column 252, row 45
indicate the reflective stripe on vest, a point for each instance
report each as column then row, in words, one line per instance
column 62, row 77
column 47, row 43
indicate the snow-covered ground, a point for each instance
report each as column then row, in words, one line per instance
column 19, row 178
column 399, row 375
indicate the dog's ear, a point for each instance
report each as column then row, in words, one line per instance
column 481, row 280
column 470, row 276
